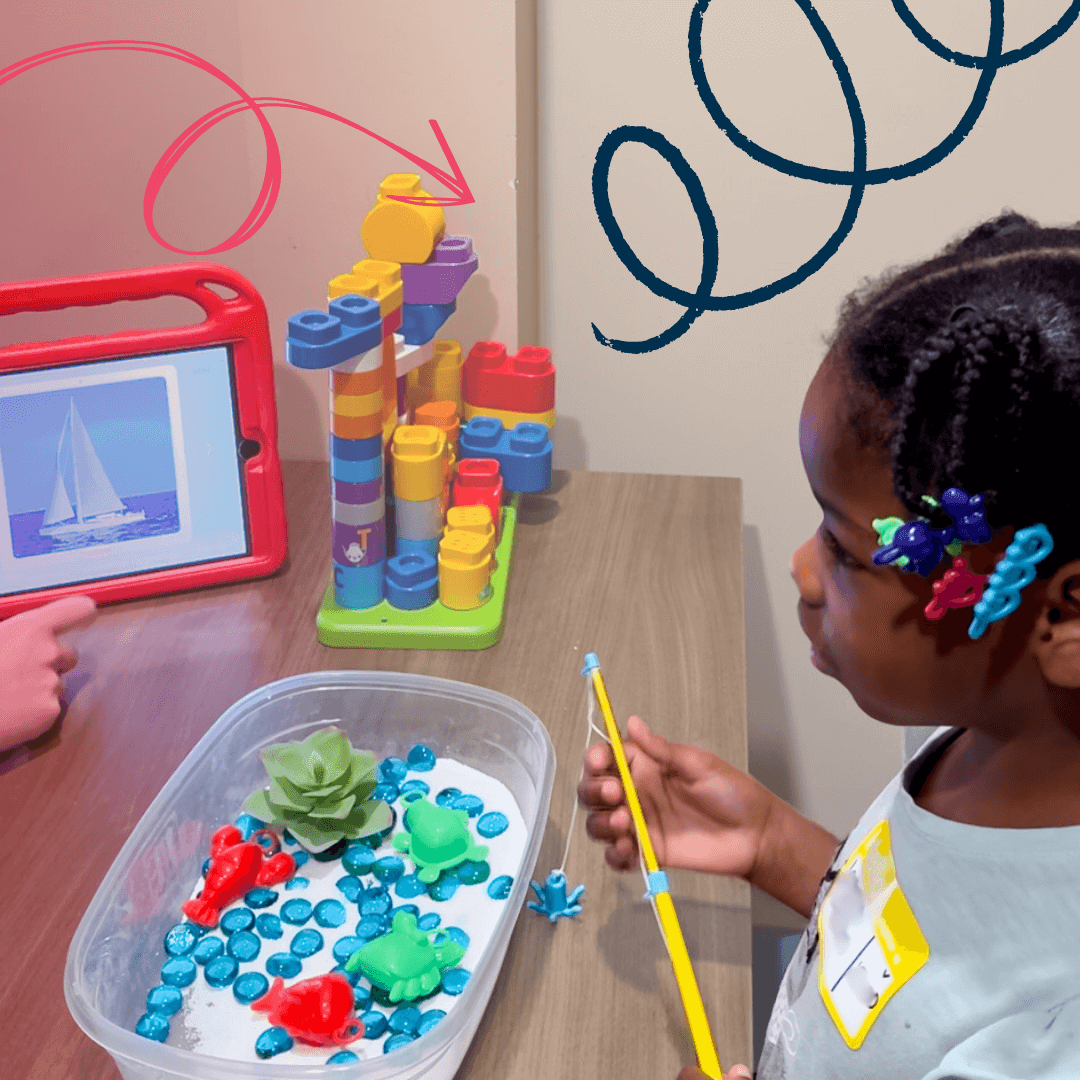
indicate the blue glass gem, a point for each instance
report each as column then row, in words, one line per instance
column 205, row 866
column 454, row 981
column 421, row 758
column 306, row 943
column 372, row 926
column 260, row 898
column 444, row 888
column 458, row 935
column 299, row 857
column 409, row 886
column 289, row 838
column 251, row 986
column 240, row 918
column 358, row 860
column 342, row 1057
column 153, row 1026
column 473, row 805
column 396, row 1042
column 472, row 873
column 429, row 1020
column 374, row 1023
column 296, row 912
column 273, row 1041
column 221, row 972
column 447, row 796
column 350, row 888
column 244, row 946
column 284, row 964
column 393, row 770
column 404, row 1020
column 421, row 787
column 268, row 926
column 389, row 868
column 210, row 948
column 344, row 948
column 361, row 997
column 499, row 888
column 385, row 791
column 429, row 921
column 164, row 1000
column 180, row 940
column 376, row 903
column 297, row 883
column 330, row 913
column 248, row 825
column 180, row 971
column 412, row 909
column 491, row 824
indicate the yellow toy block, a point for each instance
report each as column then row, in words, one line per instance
column 376, row 278
column 419, row 461
column 358, row 404
column 402, row 232
column 464, row 570
column 508, row 417
column 472, row 519
column 440, row 378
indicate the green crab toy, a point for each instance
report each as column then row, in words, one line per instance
column 438, row 839
column 405, row 962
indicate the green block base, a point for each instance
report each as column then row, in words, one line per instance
column 434, row 627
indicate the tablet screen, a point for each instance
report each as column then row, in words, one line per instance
column 119, row 467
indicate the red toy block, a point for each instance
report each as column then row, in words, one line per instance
column 523, row 383
column 478, row 481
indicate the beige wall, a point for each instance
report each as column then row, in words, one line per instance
column 82, row 135
column 725, row 398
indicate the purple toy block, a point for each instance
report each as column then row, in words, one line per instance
column 359, row 546
column 358, row 494
column 440, row 279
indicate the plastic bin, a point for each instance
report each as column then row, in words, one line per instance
column 116, row 953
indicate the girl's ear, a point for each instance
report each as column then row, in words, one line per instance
column 1056, row 636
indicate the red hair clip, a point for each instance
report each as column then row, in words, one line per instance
column 960, row 587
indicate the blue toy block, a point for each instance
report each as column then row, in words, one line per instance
column 412, row 581
column 359, row 586
column 356, row 449
column 406, row 546
column 319, row 340
column 356, row 472
column 523, row 452
column 421, row 322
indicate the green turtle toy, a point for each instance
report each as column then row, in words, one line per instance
column 438, row 839
column 405, row 962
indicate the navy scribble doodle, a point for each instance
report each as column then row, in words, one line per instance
column 857, row 178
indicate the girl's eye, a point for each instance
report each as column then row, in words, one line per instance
column 840, row 554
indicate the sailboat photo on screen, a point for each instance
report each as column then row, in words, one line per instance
column 93, row 505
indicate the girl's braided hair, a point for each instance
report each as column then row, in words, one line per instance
column 965, row 371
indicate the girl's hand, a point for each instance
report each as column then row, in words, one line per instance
column 32, row 661
column 736, row 1072
column 702, row 813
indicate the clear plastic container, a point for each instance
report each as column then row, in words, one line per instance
column 116, row 953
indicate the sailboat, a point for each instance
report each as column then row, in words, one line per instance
column 97, row 506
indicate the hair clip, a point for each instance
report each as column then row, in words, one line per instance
column 1012, row 573
column 919, row 543
column 960, row 587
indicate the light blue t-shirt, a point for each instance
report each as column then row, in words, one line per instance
column 965, row 964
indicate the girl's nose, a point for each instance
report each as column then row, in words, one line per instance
column 804, row 574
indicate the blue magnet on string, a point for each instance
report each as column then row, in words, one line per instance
column 658, row 883
column 553, row 899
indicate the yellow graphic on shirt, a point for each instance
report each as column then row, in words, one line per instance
column 871, row 943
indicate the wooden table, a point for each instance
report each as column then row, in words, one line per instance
column 646, row 571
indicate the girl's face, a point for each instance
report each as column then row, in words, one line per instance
column 866, row 623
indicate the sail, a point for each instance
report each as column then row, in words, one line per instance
column 93, row 492
column 60, row 509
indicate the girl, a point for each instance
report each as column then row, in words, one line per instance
column 944, row 932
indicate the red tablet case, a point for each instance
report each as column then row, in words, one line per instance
column 239, row 322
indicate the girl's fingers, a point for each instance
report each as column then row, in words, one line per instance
column 68, row 657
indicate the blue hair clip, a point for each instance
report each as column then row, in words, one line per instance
column 1001, row 597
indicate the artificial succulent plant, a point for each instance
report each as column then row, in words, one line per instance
column 320, row 791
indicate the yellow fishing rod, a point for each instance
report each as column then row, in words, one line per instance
column 693, row 1006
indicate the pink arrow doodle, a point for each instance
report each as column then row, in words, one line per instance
column 454, row 180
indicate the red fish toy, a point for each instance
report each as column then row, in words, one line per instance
column 236, row 866
column 318, row 1011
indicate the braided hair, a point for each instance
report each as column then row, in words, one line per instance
column 965, row 371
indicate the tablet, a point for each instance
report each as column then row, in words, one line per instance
column 141, row 462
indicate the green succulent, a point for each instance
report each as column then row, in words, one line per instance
column 320, row 790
